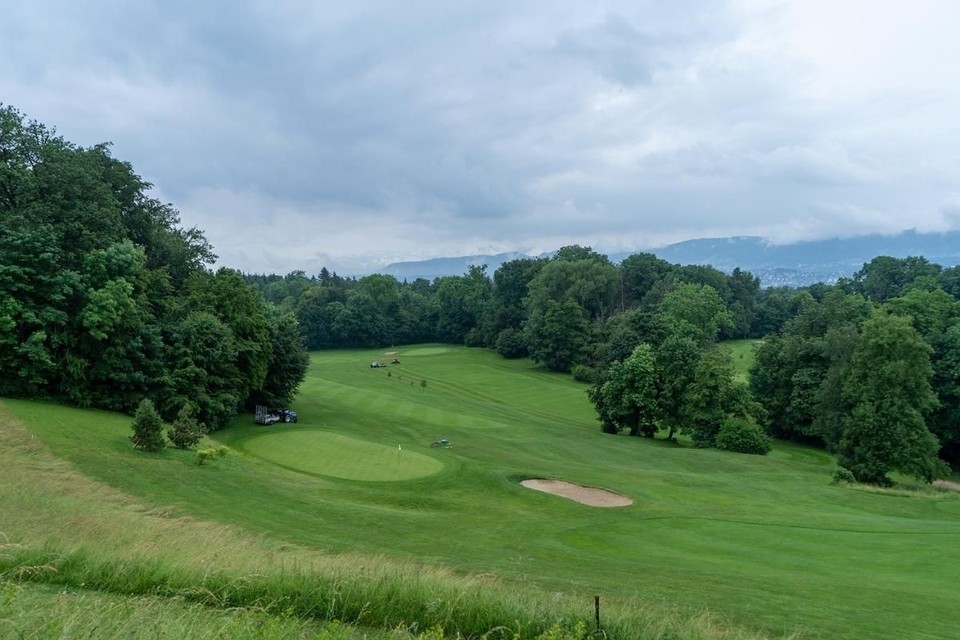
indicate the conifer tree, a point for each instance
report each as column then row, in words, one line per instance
column 186, row 431
column 147, row 427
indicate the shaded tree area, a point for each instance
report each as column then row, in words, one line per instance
column 106, row 301
column 508, row 310
column 868, row 369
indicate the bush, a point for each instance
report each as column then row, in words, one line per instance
column 583, row 373
column 203, row 454
column 147, row 428
column 741, row 436
column 510, row 344
column 475, row 338
column 186, row 431
column 842, row 475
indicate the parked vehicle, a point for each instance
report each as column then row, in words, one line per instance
column 267, row 417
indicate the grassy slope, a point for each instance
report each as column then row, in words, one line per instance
column 742, row 356
column 766, row 541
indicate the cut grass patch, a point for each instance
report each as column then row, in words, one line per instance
column 339, row 456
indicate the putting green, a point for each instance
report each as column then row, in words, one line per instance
column 331, row 454
column 425, row 351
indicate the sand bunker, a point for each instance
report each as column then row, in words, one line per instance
column 946, row 484
column 584, row 495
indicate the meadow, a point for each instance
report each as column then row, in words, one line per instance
column 353, row 499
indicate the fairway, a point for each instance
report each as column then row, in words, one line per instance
column 742, row 355
column 338, row 456
column 765, row 542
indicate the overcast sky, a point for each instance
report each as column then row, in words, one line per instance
column 302, row 133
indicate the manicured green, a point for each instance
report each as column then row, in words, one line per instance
column 765, row 541
column 331, row 454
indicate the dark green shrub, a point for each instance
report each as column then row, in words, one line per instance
column 147, row 428
column 842, row 475
column 475, row 338
column 510, row 344
column 583, row 373
column 741, row 436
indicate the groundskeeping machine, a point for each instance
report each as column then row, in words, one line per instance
column 263, row 415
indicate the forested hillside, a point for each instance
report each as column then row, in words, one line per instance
column 106, row 300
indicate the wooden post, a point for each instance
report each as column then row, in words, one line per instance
column 596, row 607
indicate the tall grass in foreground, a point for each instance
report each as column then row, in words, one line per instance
column 390, row 598
column 41, row 612
column 78, row 534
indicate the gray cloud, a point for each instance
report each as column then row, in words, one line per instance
column 354, row 134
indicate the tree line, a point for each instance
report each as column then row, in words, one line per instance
column 868, row 367
column 105, row 300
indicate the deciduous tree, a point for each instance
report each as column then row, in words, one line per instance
column 889, row 388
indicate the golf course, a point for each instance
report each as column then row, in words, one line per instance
column 351, row 506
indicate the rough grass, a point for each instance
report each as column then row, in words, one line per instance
column 766, row 544
column 38, row 611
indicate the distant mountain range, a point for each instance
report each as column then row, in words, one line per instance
column 797, row 264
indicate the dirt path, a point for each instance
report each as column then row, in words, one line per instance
column 583, row 495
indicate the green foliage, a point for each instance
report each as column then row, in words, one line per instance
column 944, row 422
column 583, row 373
column 798, row 376
column 712, row 397
column 510, row 287
column 510, row 344
column 556, row 335
column 641, row 272
column 241, row 309
column 201, row 368
column 205, row 454
column 99, row 288
column 842, row 475
column 741, row 436
column 461, row 303
column 888, row 386
column 147, row 428
column 677, row 360
column 695, row 311
column 884, row 277
column 627, row 397
column 287, row 365
column 186, row 431
column 591, row 284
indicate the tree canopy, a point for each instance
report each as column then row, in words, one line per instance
column 106, row 301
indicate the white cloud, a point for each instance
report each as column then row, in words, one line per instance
column 358, row 134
